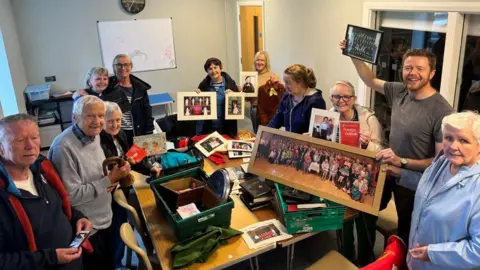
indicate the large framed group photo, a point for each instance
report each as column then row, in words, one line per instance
column 344, row 174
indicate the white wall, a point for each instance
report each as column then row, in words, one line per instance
column 14, row 58
column 303, row 32
column 60, row 37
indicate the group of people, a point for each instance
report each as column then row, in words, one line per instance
column 432, row 161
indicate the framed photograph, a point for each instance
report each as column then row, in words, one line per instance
column 249, row 83
column 154, row 144
column 193, row 106
column 211, row 144
column 347, row 175
column 234, row 106
column 237, row 145
column 324, row 124
column 239, row 154
column 363, row 43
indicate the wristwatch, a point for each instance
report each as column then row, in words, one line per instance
column 403, row 162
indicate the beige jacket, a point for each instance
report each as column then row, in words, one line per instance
column 369, row 121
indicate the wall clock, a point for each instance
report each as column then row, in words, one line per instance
column 133, row 6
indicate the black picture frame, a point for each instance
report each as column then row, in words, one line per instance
column 363, row 43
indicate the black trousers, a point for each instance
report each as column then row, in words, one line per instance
column 102, row 256
column 404, row 201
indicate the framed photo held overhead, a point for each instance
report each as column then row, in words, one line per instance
column 324, row 124
column 234, row 106
column 363, row 43
column 249, row 83
column 193, row 106
column 211, row 144
column 344, row 174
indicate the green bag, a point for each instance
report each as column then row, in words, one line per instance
column 199, row 247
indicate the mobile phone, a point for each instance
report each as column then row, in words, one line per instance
column 79, row 239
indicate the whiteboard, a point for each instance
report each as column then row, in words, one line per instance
column 149, row 43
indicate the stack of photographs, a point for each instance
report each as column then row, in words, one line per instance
column 239, row 149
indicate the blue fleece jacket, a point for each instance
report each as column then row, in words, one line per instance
column 297, row 118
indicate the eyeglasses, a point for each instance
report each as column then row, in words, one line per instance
column 123, row 65
column 337, row 98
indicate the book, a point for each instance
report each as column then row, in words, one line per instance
column 264, row 198
column 140, row 153
column 350, row 133
column 255, row 187
column 254, row 206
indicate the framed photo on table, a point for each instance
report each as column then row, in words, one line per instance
column 211, row 144
column 193, row 106
column 363, row 43
column 249, row 83
column 239, row 145
column 234, row 106
column 324, row 124
column 347, row 175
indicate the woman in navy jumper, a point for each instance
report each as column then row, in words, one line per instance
column 296, row 106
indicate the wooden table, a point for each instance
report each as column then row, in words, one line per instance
column 236, row 251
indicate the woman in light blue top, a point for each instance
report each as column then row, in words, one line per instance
column 445, row 229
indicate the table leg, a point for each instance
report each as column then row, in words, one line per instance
column 251, row 264
column 288, row 256
column 292, row 255
column 340, row 241
column 256, row 263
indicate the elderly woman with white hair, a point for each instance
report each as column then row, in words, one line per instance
column 343, row 98
column 445, row 228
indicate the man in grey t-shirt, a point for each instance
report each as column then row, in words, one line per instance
column 415, row 136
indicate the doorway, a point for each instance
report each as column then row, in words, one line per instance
column 250, row 32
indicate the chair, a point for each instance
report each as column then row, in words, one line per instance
column 387, row 223
column 333, row 260
column 128, row 237
column 120, row 198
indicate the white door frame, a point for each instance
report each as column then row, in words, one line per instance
column 239, row 30
column 456, row 11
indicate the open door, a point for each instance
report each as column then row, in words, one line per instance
column 251, row 34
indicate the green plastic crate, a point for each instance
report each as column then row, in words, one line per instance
column 316, row 220
column 219, row 216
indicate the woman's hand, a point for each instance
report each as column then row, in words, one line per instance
column 365, row 139
column 343, row 44
column 131, row 159
column 228, row 91
column 155, row 172
column 198, row 91
column 420, row 253
column 79, row 93
column 307, row 134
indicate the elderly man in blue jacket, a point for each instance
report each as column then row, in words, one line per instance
column 37, row 223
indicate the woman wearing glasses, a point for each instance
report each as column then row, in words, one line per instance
column 343, row 98
column 130, row 93
column 297, row 103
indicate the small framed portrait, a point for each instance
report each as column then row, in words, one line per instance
column 344, row 174
column 324, row 124
column 193, row 106
column 249, row 83
column 155, row 144
column 363, row 43
column 237, row 145
column 239, row 154
column 234, row 106
column 211, row 144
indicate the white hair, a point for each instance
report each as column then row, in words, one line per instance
column 464, row 120
column 111, row 107
column 81, row 103
column 345, row 83
column 4, row 122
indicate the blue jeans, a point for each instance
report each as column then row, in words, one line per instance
column 253, row 117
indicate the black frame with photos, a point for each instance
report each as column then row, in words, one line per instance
column 367, row 30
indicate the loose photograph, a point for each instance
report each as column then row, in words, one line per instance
column 347, row 175
column 324, row 124
column 236, row 145
column 193, row 106
column 154, row 144
column 249, row 83
column 211, row 144
column 239, row 154
column 234, row 106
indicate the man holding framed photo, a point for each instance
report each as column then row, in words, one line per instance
column 416, row 136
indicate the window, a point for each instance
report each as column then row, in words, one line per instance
column 7, row 93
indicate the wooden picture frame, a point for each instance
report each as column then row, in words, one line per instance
column 192, row 106
column 356, row 167
column 211, row 144
column 363, row 43
column 249, row 83
column 234, row 106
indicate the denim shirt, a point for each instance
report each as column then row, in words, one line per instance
column 220, row 90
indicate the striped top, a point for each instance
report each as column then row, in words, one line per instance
column 127, row 121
